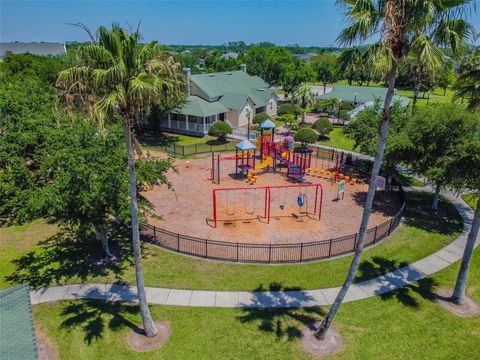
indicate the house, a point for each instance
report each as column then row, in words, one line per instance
column 229, row 55
column 41, row 48
column 230, row 96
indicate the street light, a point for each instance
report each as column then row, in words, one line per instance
column 355, row 100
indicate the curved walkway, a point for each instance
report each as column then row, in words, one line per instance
column 292, row 299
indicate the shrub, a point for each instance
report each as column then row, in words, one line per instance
column 220, row 129
column 289, row 109
column 260, row 117
column 323, row 127
column 306, row 136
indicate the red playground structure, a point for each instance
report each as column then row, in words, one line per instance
column 265, row 202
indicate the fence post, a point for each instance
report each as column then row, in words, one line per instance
column 155, row 234
column 237, row 251
column 390, row 226
column 174, row 149
column 330, row 249
column 375, row 236
column 206, row 249
column 183, row 150
column 355, row 242
column 178, row 242
column 301, row 252
column 269, row 253
column 196, row 148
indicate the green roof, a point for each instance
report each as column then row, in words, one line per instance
column 17, row 335
column 363, row 94
column 196, row 106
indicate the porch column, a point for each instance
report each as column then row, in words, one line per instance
column 216, row 117
column 186, row 122
column 169, row 121
column 204, row 127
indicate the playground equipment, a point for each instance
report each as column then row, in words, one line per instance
column 244, row 151
column 265, row 202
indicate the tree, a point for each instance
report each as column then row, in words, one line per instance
column 356, row 65
column 260, row 117
column 433, row 134
column 290, row 121
column 220, row 129
column 303, row 97
column 289, row 109
column 467, row 159
column 399, row 23
column 116, row 77
column 468, row 82
column 326, row 67
column 446, row 78
column 323, row 127
column 306, row 136
column 295, row 73
column 268, row 63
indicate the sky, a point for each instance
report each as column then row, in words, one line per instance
column 315, row 22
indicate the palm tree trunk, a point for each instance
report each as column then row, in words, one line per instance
column 416, row 92
column 324, row 88
column 325, row 325
column 101, row 231
column 458, row 296
column 444, row 91
column 436, row 197
column 148, row 325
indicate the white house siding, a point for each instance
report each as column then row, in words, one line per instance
column 272, row 106
column 232, row 118
column 242, row 115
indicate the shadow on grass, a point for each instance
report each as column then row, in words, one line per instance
column 156, row 138
column 418, row 213
column 68, row 255
column 385, row 202
column 380, row 266
column 284, row 322
column 93, row 316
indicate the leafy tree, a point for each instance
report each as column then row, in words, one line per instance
column 289, row 120
column 220, row 129
column 295, row 73
column 433, row 136
column 306, row 136
column 260, row 117
column 468, row 82
column 411, row 76
column 326, row 67
column 400, row 23
column 118, row 78
column 303, row 97
column 446, row 78
column 323, row 127
column 356, row 65
column 289, row 109
column 268, row 63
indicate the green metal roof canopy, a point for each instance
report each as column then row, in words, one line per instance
column 17, row 335
column 245, row 145
column 267, row 125
column 361, row 94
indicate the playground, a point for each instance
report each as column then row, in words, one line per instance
column 268, row 193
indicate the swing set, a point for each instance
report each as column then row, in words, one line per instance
column 247, row 203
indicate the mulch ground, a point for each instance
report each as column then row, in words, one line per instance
column 468, row 309
column 188, row 209
column 139, row 342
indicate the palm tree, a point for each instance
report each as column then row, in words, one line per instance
column 398, row 23
column 303, row 96
column 468, row 82
column 116, row 77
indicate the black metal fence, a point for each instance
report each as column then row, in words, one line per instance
column 267, row 253
column 187, row 150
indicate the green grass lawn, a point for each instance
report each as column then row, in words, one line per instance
column 471, row 199
column 337, row 139
column 62, row 259
column 404, row 324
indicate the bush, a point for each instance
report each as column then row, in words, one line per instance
column 306, row 136
column 289, row 109
column 260, row 117
column 220, row 129
column 323, row 127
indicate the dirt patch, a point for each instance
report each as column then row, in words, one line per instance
column 188, row 209
column 46, row 349
column 468, row 309
column 139, row 342
column 332, row 344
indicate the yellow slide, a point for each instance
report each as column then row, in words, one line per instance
column 268, row 161
column 285, row 154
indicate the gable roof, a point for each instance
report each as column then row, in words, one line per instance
column 232, row 87
column 17, row 336
column 41, row 48
column 361, row 94
column 196, row 106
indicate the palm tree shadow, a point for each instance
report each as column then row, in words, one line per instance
column 70, row 255
column 276, row 318
column 394, row 274
column 93, row 316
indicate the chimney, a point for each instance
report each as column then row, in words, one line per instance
column 188, row 72
column 243, row 67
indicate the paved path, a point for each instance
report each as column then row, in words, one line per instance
column 391, row 281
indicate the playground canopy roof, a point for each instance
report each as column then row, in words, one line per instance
column 17, row 337
column 361, row 94
column 267, row 125
column 245, row 145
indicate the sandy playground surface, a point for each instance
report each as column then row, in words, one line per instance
column 188, row 209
